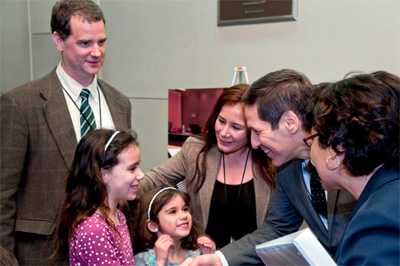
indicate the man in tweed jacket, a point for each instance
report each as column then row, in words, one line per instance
column 40, row 128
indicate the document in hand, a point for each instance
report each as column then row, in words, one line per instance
column 300, row 248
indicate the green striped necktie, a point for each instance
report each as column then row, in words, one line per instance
column 87, row 117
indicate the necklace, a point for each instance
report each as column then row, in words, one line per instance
column 241, row 181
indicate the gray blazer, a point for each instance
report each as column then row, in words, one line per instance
column 289, row 206
column 37, row 145
column 182, row 167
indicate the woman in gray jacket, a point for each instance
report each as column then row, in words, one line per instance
column 229, row 183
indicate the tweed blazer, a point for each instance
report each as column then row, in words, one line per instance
column 182, row 166
column 37, row 145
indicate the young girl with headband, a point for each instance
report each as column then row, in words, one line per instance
column 166, row 231
column 105, row 174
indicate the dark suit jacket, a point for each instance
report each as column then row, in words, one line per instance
column 37, row 145
column 289, row 206
column 372, row 236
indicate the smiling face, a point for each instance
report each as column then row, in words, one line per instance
column 122, row 180
column 280, row 144
column 83, row 50
column 230, row 129
column 175, row 218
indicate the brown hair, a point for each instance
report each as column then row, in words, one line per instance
column 63, row 10
column 230, row 96
column 85, row 189
column 144, row 239
column 278, row 92
column 359, row 117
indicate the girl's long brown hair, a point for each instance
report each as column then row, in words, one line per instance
column 85, row 190
column 230, row 96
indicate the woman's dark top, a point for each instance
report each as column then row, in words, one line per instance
column 231, row 215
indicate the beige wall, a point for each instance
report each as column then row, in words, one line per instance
column 14, row 48
column 156, row 45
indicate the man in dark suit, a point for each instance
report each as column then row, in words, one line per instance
column 278, row 112
column 41, row 123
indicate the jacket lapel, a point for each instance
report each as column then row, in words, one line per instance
column 205, row 193
column 58, row 119
column 315, row 218
column 340, row 206
column 262, row 195
column 116, row 107
column 332, row 199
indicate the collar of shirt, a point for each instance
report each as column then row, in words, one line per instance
column 74, row 88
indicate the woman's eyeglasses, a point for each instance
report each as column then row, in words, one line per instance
column 309, row 140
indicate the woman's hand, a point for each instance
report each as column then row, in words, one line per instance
column 161, row 248
column 206, row 245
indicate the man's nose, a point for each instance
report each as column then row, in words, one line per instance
column 96, row 50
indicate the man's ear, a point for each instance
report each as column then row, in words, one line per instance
column 58, row 41
column 290, row 121
column 152, row 226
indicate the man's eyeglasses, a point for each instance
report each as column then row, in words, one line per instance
column 308, row 141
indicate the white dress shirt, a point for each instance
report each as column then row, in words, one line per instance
column 97, row 101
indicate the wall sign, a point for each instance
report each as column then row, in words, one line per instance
column 236, row 12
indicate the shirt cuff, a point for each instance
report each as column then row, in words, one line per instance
column 222, row 258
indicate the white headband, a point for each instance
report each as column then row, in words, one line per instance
column 110, row 140
column 154, row 197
